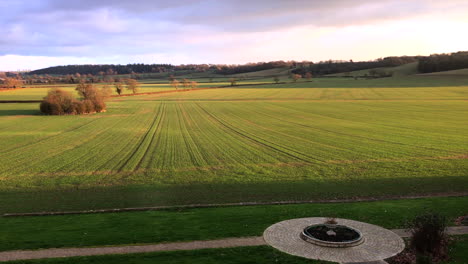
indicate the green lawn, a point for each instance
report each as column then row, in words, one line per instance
column 203, row 223
column 259, row 254
column 237, row 144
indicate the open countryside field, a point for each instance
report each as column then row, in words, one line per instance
column 37, row 92
column 262, row 143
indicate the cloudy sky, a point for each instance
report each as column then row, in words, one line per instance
column 40, row 33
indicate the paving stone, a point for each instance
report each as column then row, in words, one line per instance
column 379, row 243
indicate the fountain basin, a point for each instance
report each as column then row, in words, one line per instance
column 332, row 235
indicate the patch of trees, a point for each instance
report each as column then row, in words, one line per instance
column 186, row 83
column 251, row 67
column 443, row 62
column 10, row 83
column 60, row 102
column 331, row 67
column 109, row 69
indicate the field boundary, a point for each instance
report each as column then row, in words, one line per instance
column 194, row 206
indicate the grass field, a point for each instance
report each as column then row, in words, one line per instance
column 37, row 92
column 259, row 143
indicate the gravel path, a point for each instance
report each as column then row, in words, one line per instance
column 220, row 243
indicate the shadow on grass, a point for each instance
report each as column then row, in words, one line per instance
column 142, row 196
column 20, row 112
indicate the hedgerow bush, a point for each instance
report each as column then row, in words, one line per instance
column 60, row 102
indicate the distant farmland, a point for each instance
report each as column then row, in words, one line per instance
column 229, row 145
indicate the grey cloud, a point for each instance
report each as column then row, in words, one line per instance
column 103, row 27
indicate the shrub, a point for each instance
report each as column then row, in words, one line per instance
column 428, row 236
column 51, row 108
column 78, row 107
column 88, row 105
column 95, row 98
column 118, row 88
column 57, row 102
column 99, row 104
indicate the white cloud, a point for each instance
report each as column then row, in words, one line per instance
column 38, row 33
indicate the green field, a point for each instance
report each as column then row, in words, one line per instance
column 37, row 92
column 261, row 143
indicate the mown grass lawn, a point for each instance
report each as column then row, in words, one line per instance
column 203, row 223
column 259, row 254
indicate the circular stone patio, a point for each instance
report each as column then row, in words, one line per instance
column 379, row 243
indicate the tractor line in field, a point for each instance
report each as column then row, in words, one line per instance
column 250, row 138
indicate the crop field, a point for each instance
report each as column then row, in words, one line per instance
column 37, row 92
column 239, row 144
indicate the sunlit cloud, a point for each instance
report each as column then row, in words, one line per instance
column 44, row 33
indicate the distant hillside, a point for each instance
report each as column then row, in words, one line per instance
column 402, row 70
column 105, row 69
column 460, row 72
column 443, row 62
column 264, row 73
column 433, row 63
column 331, row 67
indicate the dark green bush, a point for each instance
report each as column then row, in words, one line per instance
column 429, row 238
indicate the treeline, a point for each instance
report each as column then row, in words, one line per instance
column 443, row 62
column 320, row 68
column 252, row 67
column 109, row 69
column 331, row 67
column 439, row 62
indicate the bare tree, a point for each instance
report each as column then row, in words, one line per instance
column 86, row 90
column 233, row 81
column 308, row 76
column 276, row 79
column 296, row 77
column 193, row 84
column 185, row 83
column 175, row 84
column 132, row 85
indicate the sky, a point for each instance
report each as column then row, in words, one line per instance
column 41, row 33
